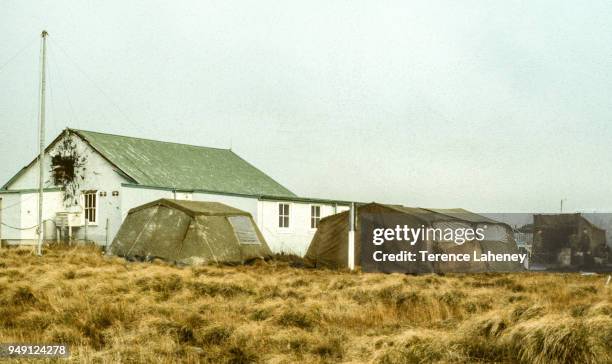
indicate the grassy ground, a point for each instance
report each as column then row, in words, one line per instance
column 110, row 310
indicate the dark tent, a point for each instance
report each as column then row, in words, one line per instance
column 190, row 232
column 329, row 247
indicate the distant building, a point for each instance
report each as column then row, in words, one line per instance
column 93, row 179
column 524, row 236
column 568, row 240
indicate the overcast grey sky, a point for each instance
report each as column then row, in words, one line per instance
column 488, row 105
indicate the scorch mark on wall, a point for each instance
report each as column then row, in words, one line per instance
column 68, row 167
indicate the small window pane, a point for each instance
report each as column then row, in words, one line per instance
column 244, row 229
column 283, row 215
column 315, row 216
column 89, row 198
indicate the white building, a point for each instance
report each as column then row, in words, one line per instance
column 93, row 179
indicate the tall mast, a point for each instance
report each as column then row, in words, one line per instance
column 41, row 156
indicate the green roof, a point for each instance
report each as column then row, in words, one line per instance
column 181, row 166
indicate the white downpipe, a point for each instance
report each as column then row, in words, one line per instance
column 351, row 238
column 351, row 250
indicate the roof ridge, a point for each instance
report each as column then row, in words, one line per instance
column 147, row 139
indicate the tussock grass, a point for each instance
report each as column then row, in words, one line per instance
column 111, row 310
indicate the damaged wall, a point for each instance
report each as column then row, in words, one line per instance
column 68, row 167
column 96, row 173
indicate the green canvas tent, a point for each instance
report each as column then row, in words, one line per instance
column 190, row 232
column 329, row 246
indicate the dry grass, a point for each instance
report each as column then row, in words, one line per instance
column 110, row 310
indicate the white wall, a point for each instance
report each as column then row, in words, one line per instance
column 99, row 175
column 10, row 214
column 52, row 202
column 20, row 215
column 248, row 204
column 135, row 196
column 297, row 237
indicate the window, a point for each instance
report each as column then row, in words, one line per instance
column 315, row 216
column 283, row 215
column 244, row 229
column 90, row 205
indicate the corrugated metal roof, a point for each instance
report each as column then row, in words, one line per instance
column 182, row 166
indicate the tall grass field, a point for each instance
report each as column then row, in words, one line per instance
column 109, row 310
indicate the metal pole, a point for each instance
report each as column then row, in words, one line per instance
column 0, row 222
column 562, row 200
column 85, row 228
column 42, row 143
column 106, row 238
column 351, row 238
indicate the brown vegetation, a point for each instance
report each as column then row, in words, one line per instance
column 110, row 310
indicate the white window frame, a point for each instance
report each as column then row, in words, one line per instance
column 283, row 215
column 314, row 217
column 87, row 210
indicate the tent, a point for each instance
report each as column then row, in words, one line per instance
column 190, row 232
column 329, row 247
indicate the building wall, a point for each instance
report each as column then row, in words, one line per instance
column 10, row 215
column 20, row 216
column 248, row 204
column 135, row 196
column 98, row 175
column 297, row 237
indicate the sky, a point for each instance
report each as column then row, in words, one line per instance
column 494, row 106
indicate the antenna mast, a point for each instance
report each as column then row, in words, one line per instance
column 40, row 229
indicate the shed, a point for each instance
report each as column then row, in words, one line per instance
column 564, row 241
column 329, row 247
column 191, row 232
